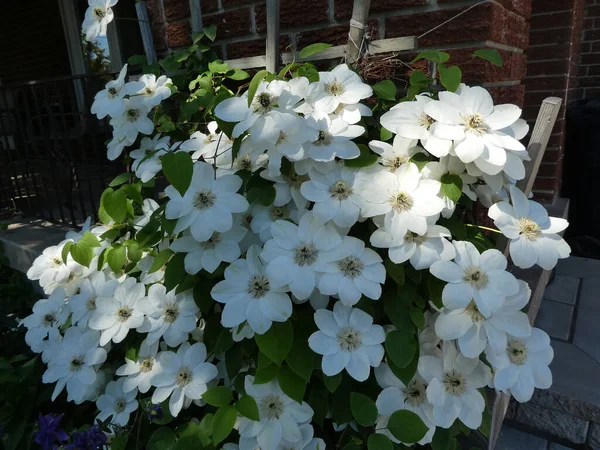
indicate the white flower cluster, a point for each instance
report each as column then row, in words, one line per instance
column 303, row 248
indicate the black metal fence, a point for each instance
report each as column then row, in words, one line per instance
column 52, row 149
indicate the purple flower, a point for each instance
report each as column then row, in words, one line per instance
column 49, row 432
column 91, row 439
column 155, row 412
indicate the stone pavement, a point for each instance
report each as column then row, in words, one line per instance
column 569, row 412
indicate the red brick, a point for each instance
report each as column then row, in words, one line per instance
column 592, row 70
column 552, row 5
column 333, row 35
column 155, row 10
column 592, row 92
column 230, row 24
column 544, row 184
column 552, row 20
column 547, row 68
column 591, row 35
column 586, row 47
column 593, row 58
column 515, row 31
column 550, row 169
column 294, row 13
column 592, row 11
column 209, row 6
column 595, row 47
column 231, row 3
column 508, row 94
column 159, row 37
column 550, row 83
column 254, row 48
column 582, row 71
column 559, row 51
column 343, row 8
column 553, row 36
column 178, row 34
column 176, row 10
column 589, row 81
column 553, row 155
column 543, row 197
column 520, row 7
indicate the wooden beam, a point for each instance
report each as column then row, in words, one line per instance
column 146, row 31
column 381, row 46
column 196, row 16
column 272, row 52
column 358, row 24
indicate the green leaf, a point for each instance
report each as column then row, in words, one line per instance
column 115, row 204
column 223, row 422
column 210, row 31
column 332, row 383
column 407, row 427
column 489, row 54
column 450, row 77
column 82, row 254
column 134, row 251
column 301, row 359
column 89, row 239
column 395, row 271
column 379, row 442
column 266, row 374
column 313, row 49
column 133, row 193
column 432, row 55
column 196, row 37
column 247, row 407
column 400, row 347
column 365, row 159
column 161, row 259
column 175, row 272
column 420, row 160
column 363, row 409
column 291, row 383
column 418, row 318
column 385, row 134
column 455, row 226
column 218, row 67
column 161, row 439
column 397, row 309
column 66, row 250
column 386, row 90
column 441, row 439
column 435, row 287
column 218, row 396
column 264, row 195
column 277, row 342
column 451, row 186
column 178, row 168
column 119, row 179
column 260, row 75
column 132, row 354
column 419, row 78
column 117, row 258
column 165, row 124
column 238, row 75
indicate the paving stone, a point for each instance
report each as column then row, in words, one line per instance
column 555, row 319
column 553, row 400
column 589, row 296
column 594, row 436
column 587, row 332
column 555, row 446
column 562, row 289
column 575, row 374
column 560, row 425
column 513, row 439
column 578, row 267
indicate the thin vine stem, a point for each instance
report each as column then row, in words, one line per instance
column 483, row 228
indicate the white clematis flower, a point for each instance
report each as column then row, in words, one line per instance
column 147, row 159
column 116, row 146
column 395, row 156
column 117, row 314
column 168, row 315
column 347, row 339
column 83, row 304
column 534, row 237
column 97, row 17
column 117, row 403
column 453, row 381
column 133, row 121
column 249, row 295
column 183, row 376
column 148, row 208
column 50, row 269
column 333, row 139
column 360, row 273
column 153, row 91
column 46, row 319
column 207, row 205
column 280, row 417
column 109, row 101
column 265, row 216
column 307, row 442
column 474, row 332
column 481, row 278
column 139, row 373
column 523, row 364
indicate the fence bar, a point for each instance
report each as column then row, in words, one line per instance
column 272, row 35
column 358, row 24
column 196, row 15
column 146, row 31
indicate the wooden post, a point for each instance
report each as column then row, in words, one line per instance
column 146, row 31
column 358, row 25
column 272, row 35
column 196, row 16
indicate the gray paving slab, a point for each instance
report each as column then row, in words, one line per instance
column 589, row 295
column 587, row 332
column 561, row 426
column 578, row 267
column 513, row 439
column 555, row 446
column 555, row 319
column 563, row 289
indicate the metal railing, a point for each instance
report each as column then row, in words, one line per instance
column 52, row 149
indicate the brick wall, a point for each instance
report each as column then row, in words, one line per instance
column 589, row 61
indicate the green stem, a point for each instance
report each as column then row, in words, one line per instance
column 483, row 228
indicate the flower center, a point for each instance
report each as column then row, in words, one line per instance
column 415, row 393
column 454, row 383
column 335, row 88
column 272, row 407
column 476, row 125
column 91, row 304
column 517, row 352
column 146, row 365
column 401, row 202
column 112, row 92
column 282, row 137
column 133, row 114
column 414, row 237
column 264, row 102
column 57, row 261
column 294, row 180
column 529, row 229
column 204, row 200
column 171, row 312
column 244, row 163
column 475, row 277
column 278, row 213
column 426, row 121
column 124, row 313
column 148, row 91
column 306, row 255
column 258, row 286
column 100, row 13
column 395, row 163
column 120, row 405
column 49, row 319
column 473, row 312
column 325, row 138
column 349, row 339
column 351, row 266
column 76, row 363
column 247, row 220
column 212, row 241
column 183, row 377
column 340, row 190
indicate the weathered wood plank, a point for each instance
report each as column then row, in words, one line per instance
column 145, row 31
column 196, row 16
column 272, row 47
column 358, row 24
